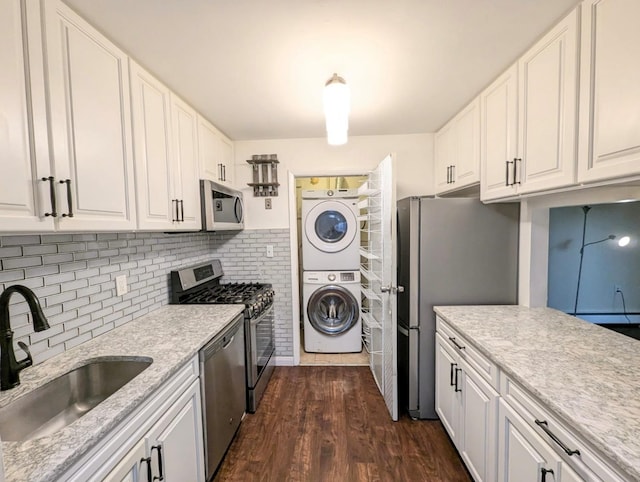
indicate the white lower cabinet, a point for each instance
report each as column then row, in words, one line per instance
column 161, row 440
column 175, row 443
column 524, row 456
column 501, row 432
column 467, row 406
column 131, row 467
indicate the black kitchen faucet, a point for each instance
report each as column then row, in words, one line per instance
column 10, row 368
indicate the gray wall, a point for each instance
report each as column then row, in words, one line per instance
column 74, row 277
column 605, row 265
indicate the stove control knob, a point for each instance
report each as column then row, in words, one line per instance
column 331, row 277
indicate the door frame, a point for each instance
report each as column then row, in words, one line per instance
column 293, row 245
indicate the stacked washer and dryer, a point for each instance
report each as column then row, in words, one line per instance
column 331, row 271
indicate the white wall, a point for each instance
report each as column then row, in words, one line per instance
column 305, row 157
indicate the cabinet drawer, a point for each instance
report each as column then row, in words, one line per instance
column 588, row 463
column 481, row 364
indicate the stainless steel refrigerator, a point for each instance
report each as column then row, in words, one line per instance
column 450, row 252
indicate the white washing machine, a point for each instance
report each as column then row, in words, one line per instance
column 331, row 308
column 330, row 230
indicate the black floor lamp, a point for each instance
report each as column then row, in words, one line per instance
column 585, row 209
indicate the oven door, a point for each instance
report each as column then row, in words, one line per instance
column 261, row 345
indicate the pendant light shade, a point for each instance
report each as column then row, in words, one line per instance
column 336, row 110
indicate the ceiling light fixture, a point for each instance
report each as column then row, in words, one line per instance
column 336, row 110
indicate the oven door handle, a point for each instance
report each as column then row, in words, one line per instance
column 266, row 312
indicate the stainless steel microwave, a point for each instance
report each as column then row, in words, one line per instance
column 222, row 207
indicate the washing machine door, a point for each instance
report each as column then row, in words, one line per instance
column 332, row 310
column 331, row 226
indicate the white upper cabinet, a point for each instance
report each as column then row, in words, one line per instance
column 151, row 106
column 499, row 135
column 548, row 76
column 467, row 142
column 185, row 168
column 21, row 189
column 216, row 154
column 610, row 90
column 529, row 133
column 165, row 146
column 458, row 150
column 444, row 157
column 90, row 123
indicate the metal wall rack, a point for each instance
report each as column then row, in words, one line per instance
column 265, row 174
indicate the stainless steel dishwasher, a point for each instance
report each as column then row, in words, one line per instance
column 223, row 385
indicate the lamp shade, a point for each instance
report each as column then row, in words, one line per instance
column 336, row 110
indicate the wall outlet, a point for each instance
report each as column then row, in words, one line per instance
column 267, row 203
column 121, row 285
column 269, row 251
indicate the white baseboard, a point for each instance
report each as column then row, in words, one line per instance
column 284, row 361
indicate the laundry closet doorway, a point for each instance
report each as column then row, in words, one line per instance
column 328, row 235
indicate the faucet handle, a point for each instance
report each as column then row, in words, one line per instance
column 27, row 362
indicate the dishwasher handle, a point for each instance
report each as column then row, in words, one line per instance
column 226, row 345
column 223, row 340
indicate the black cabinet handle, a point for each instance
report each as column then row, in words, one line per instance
column 544, row 474
column 52, row 195
column 69, row 198
column 545, row 426
column 453, row 365
column 457, row 345
column 458, row 389
column 506, row 172
column 224, row 172
column 453, row 174
column 219, row 171
column 174, row 209
column 515, row 170
column 181, row 210
column 159, row 449
column 147, row 460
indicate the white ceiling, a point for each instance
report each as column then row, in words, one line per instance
column 256, row 68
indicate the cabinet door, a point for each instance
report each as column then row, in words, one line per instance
column 499, row 136
column 132, row 466
column 185, row 170
column 548, row 109
column 448, row 401
column 20, row 186
column 610, row 90
column 90, row 120
column 150, row 104
column 444, row 157
column 522, row 454
column 479, row 442
column 228, row 165
column 177, row 438
column 209, row 151
column 216, row 154
column 466, row 170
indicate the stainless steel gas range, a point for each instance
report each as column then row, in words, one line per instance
column 200, row 284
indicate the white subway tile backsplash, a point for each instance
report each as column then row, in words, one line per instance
column 73, row 276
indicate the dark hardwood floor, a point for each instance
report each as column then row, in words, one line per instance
column 331, row 424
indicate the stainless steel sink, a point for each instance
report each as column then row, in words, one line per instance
column 65, row 399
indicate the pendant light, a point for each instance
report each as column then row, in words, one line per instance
column 336, row 110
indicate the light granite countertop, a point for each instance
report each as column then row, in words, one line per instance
column 171, row 336
column 586, row 375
